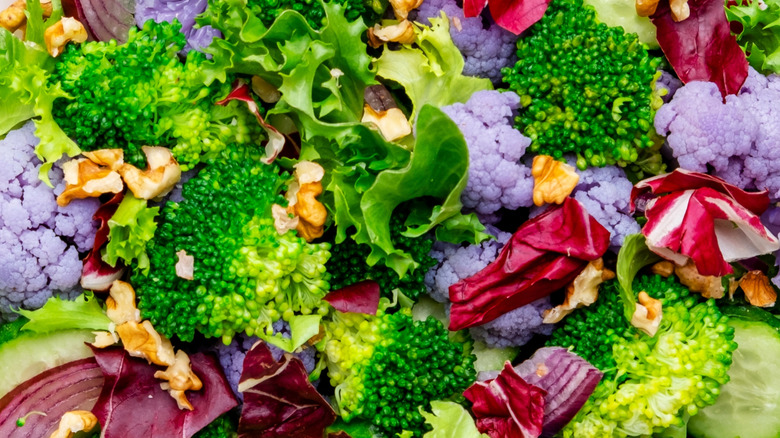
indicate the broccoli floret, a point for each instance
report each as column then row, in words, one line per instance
column 268, row 10
column 225, row 426
column 347, row 264
column 386, row 367
column 585, row 87
column 246, row 275
column 139, row 93
column 649, row 383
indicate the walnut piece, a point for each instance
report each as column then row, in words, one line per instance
column 401, row 32
column 311, row 213
column 86, row 179
column 581, row 292
column 179, row 378
column 758, row 291
column 401, row 8
column 283, row 222
column 74, row 421
column 392, row 123
column 680, row 9
column 111, row 158
column 120, row 304
column 161, row 174
column 105, row 339
column 664, row 268
column 646, row 8
column 142, row 340
column 709, row 286
column 308, row 172
column 648, row 314
column 13, row 18
column 61, row 33
column 553, row 180
column 185, row 266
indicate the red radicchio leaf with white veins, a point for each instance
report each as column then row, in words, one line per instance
column 275, row 143
column 279, row 400
column 132, row 404
column 96, row 274
column 513, row 15
column 703, row 218
column 507, row 406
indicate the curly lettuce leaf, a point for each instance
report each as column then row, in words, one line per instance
column 84, row 312
column 450, row 420
column 431, row 74
column 760, row 35
column 131, row 226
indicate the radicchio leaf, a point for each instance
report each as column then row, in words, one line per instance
column 702, row 218
column 702, row 47
column 507, row 406
column 275, row 143
column 543, row 255
column 133, row 404
column 517, row 15
column 279, row 400
column 361, row 297
column 96, row 274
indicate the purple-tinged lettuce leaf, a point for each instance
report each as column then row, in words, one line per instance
column 133, row 404
column 279, row 400
column 361, row 297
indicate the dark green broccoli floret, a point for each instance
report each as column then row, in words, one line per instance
column 347, row 264
column 650, row 382
column 386, row 367
column 268, row 10
column 139, row 93
column 225, row 426
column 246, row 275
column 585, row 88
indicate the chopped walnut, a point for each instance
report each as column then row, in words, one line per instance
column 142, row 340
column 758, row 291
column 120, row 304
column 709, row 286
column 392, row 123
column 74, row 421
column 401, row 32
column 311, row 213
column 646, row 8
column 86, row 179
column 179, row 378
column 283, row 222
column 105, row 339
column 161, row 174
column 680, row 9
column 185, row 266
column 13, row 17
column 401, row 8
column 648, row 314
column 553, row 180
column 308, row 172
column 581, row 292
column 664, row 268
column 111, row 158
column 64, row 31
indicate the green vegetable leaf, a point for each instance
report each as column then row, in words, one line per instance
column 60, row 314
column 355, row 428
column 432, row 73
column 302, row 328
column 633, row 256
column 760, row 36
column 622, row 13
column 450, row 420
column 129, row 229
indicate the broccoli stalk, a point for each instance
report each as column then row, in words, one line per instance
column 386, row 367
column 585, row 87
column 650, row 383
column 246, row 275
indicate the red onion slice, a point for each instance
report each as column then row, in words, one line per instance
column 74, row 385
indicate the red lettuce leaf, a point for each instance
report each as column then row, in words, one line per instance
column 517, row 15
column 702, row 47
column 544, row 254
column 276, row 140
column 361, row 297
column 96, row 274
column 472, row 8
column 507, row 406
column 133, row 404
column 279, row 400
column 682, row 179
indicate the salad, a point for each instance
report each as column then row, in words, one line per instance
column 381, row 219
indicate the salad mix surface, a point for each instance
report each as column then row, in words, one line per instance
column 382, row 219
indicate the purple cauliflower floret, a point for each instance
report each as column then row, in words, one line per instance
column 517, row 327
column 183, row 10
column 457, row 262
column 497, row 178
column 605, row 192
column 738, row 138
column 231, row 356
column 485, row 50
column 668, row 82
column 40, row 241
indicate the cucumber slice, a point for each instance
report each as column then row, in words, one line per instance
column 749, row 404
column 29, row 354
